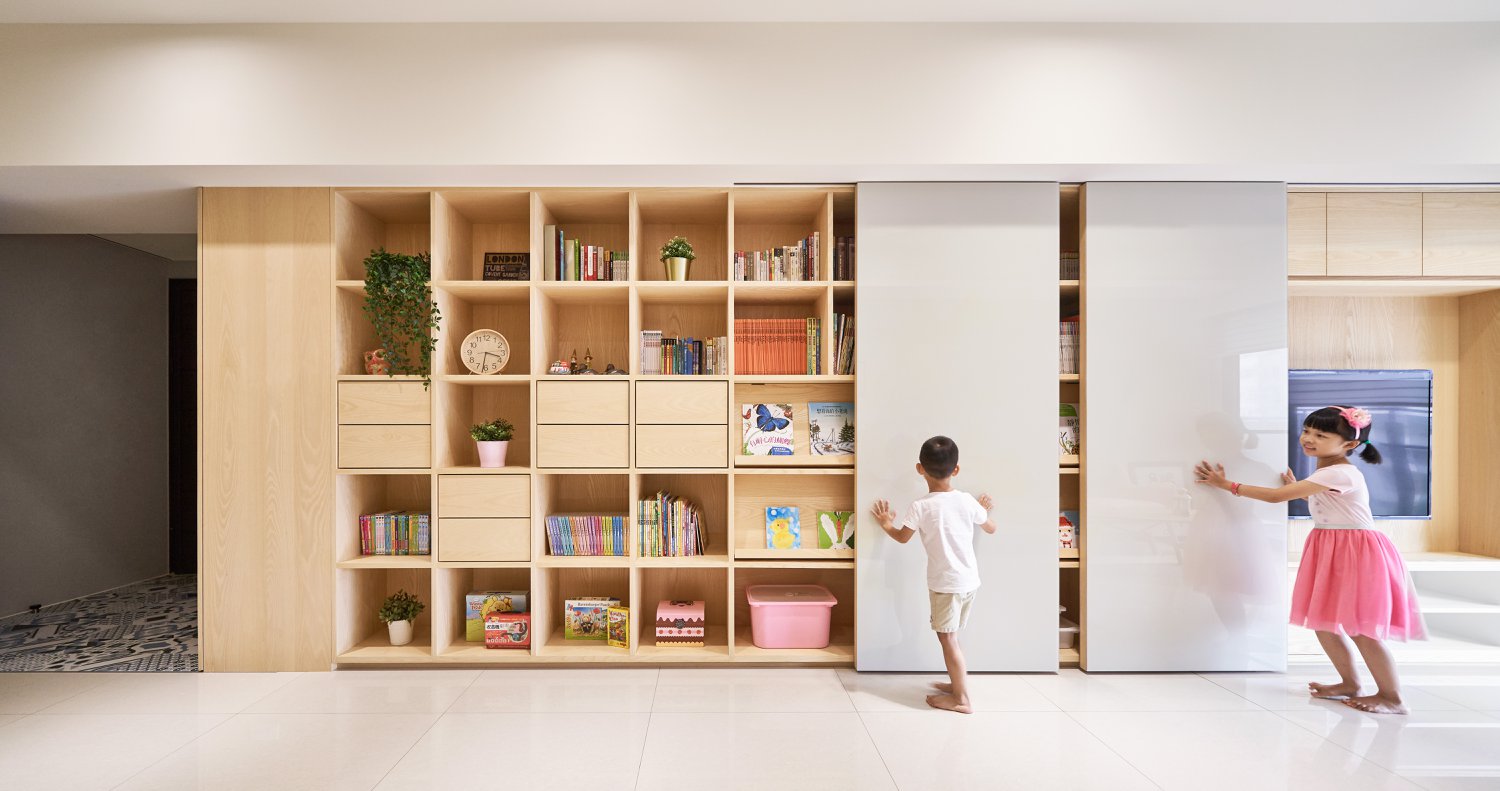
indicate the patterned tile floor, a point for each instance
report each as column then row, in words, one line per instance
column 150, row 625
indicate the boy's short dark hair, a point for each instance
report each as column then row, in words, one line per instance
column 938, row 457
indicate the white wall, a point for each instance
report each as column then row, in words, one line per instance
column 83, row 418
column 1298, row 99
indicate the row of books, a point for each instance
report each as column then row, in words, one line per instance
column 789, row 263
column 1067, row 267
column 843, row 258
column 395, row 533
column 586, row 534
column 683, row 356
column 571, row 259
column 843, row 344
column 670, row 527
column 1068, row 345
column 778, row 346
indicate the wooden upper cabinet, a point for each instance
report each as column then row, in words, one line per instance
column 1307, row 233
column 1461, row 233
column 1374, row 234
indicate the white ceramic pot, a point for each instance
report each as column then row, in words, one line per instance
column 401, row 632
column 492, row 454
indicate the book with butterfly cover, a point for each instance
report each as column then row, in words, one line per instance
column 830, row 428
column 767, row 430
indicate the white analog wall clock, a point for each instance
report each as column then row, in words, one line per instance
column 485, row 352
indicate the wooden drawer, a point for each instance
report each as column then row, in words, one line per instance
column 1374, row 234
column 582, row 446
column 460, row 540
column 384, row 403
column 1461, row 234
column 583, row 403
column 682, row 446
column 682, row 403
column 483, row 495
column 385, row 446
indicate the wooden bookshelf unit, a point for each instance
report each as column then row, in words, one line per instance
column 582, row 444
column 1073, row 563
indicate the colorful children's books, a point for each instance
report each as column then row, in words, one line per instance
column 507, row 630
column 783, row 527
column 617, row 626
column 679, row 623
column 835, row 530
column 586, row 618
column 831, row 428
column 480, row 605
column 767, row 430
column 1067, row 429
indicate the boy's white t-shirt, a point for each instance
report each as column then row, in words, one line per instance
column 945, row 522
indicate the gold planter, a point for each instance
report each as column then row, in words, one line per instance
column 677, row 268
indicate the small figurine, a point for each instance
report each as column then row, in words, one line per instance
column 1064, row 533
column 588, row 358
column 573, row 363
column 376, row 364
column 611, row 370
column 559, row 368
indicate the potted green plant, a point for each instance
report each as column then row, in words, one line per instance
column 676, row 254
column 492, row 438
column 399, row 613
column 398, row 302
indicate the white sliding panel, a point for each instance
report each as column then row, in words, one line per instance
column 957, row 304
column 1186, row 360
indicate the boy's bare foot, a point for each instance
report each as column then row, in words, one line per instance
column 943, row 687
column 1376, row 704
column 1333, row 691
column 947, row 703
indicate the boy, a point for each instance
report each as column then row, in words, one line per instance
column 945, row 520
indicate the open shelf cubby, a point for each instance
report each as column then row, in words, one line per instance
column 599, row 218
column 708, row 585
column 359, row 494
column 698, row 311
column 584, row 493
column 449, row 630
column 502, row 307
column 470, row 223
column 584, row 320
column 709, row 492
column 700, row 216
column 774, row 217
column 808, row 491
column 365, row 220
column 360, row 636
column 798, row 395
column 839, row 581
column 463, row 403
column 554, row 587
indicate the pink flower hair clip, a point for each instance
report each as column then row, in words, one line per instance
column 1356, row 418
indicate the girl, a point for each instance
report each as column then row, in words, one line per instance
column 1351, row 580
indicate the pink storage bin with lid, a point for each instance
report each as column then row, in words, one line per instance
column 790, row 616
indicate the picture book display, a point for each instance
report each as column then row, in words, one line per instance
column 507, row 630
column 480, row 605
column 680, row 623
column 830, row 426
column 617, row 626
column 767, row 430
column 587, row 618
column 835, row 530
column 1067, row 430
column 783, row 527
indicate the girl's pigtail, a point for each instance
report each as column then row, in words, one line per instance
column 1369, row 454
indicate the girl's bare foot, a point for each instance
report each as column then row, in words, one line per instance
column 1376, row 704
column 1333, row 691
column 947, row 703
column 943, row 687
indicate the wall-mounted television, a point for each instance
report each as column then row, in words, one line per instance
column 1400, row 402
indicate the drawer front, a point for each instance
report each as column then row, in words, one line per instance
column 583, row 403
column 484, row 495
column 682, row 403
column 383, row 403
column 385, row 446
column 583, row 446
column 682, row 446
column 460, row 540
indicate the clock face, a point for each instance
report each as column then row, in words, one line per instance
column 485, row 352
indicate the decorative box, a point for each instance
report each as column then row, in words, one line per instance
column 507, row 630
column 679, row 623
column 478, row 605
column 586, row 618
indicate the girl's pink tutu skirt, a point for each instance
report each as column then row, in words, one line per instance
column 1354, row 582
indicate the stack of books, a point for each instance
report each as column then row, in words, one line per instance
column 571, row 259
column 395, row 533
column 586, row 534
column 789, row 263
column 683, row 356
column 843, row 344
column 670, row 527
column 1067, row 345
column 843, row 258
column 778, row 346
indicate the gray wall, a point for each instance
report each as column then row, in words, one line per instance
column 83, row 418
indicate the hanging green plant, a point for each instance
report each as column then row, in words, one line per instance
column 399, row 303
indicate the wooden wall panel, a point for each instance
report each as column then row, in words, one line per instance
column 1479, row 462
column 1375, row 234
column 1307, row 233
column 266, row 435
column 1393, row 332
column 1461, row 234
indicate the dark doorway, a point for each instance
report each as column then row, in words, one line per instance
column 182, row 401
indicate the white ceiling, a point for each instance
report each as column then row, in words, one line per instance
column 315, row 11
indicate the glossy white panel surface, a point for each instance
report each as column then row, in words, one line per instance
column 957, row 303
column 1185, row 360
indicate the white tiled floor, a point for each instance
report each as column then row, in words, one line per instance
column 681, row 728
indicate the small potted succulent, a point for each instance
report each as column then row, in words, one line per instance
column 492, row 438
column 399, row 613
column 676, row 254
